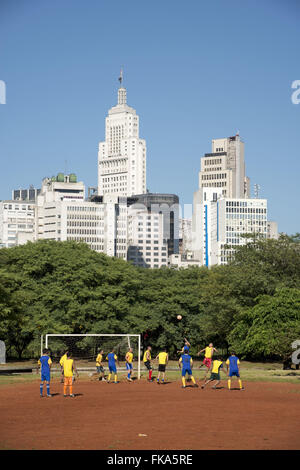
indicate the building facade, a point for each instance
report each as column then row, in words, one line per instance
column 224, row 168
column 17, row 222
column 122, row 155
column 220, row 223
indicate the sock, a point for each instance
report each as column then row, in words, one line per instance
column 65, row 390
column 71, row 389
column 116, row 378
column 229, row 384
column 183, row 381
column 240, row 382
column 150, row 374
column 157, row 379
column 109, row 376
column 48, row 389
column 128, row 375
column 41, row 388
column 193, row 380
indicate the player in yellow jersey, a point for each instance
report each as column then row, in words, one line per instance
column 99, row 365
column 162, row 359
column 208, row 355
column 147, row 362
column 129, row 366
column 217, row 366
column 69, row 369
column 61, row 363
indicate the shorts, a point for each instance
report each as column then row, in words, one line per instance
column 186, row 371
column 128, row 366
column 161, row 367
column 215, row 376
column 45, row 377
column 112, row 369
column 148, row 365
column 234, row 372
column 207, row 362
column 68, row 381
column 99, row 369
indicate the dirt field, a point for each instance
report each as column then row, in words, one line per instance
column 111, row 416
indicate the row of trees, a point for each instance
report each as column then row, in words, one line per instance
column 251, row 305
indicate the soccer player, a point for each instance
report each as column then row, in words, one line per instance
column 233, row 369
column 186, row 365
column 61, row 362
column 208, row 355
column 69, row 369
column 147, row 362
column 112, row 359
column 99, row 365
column 162, row 359
column 217, row 366
column 45, row 363
column 129, row 359
column 186, row 347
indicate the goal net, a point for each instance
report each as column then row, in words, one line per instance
column 85, row 347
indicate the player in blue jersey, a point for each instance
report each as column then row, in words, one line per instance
column 186, row 365
column 112, row 359
column 186, row 347
column 233, row 369
column 44, row 363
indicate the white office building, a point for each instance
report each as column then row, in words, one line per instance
column 17, row 222
column 185, row 236
column 237, row 217
column 220, row 222
column 272, row 230
column 122, row 155
column 205, row 225
column 147, row 246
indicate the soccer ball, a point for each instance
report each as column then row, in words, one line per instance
column 179, row 317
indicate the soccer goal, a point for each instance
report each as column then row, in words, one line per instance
column 85, row 347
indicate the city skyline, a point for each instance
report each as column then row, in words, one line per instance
column 45, row 131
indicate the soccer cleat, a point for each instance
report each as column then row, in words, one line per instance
column 72, row 395
column 65, row 396
column 196, row 386
column 242, row 389
column 183, row 386
column 49, row 396
column 202, row 386
column 41, row 396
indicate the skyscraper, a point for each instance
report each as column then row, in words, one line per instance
column 224, row 168
column 122, row 156
column 223, row 211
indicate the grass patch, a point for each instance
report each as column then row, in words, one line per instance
column 250, row 372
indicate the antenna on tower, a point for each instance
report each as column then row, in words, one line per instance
column 121, row 76
column 256, row 190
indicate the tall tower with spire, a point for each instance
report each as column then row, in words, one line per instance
column 122, row 155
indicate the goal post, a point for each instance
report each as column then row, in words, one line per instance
column 87, row 344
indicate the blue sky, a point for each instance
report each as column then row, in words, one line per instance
column 193, row 70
